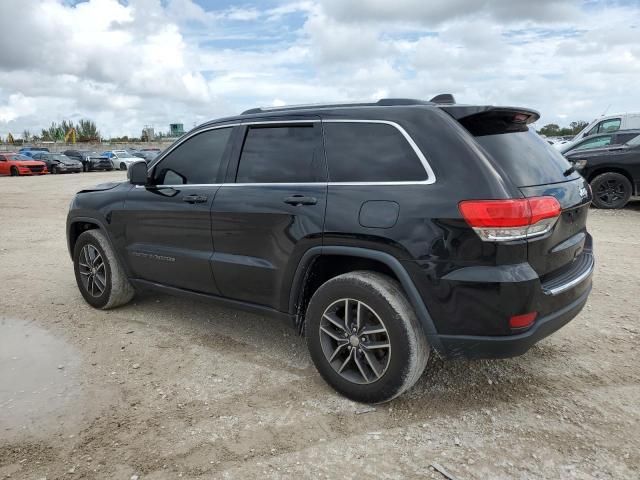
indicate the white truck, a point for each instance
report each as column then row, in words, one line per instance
column 605, row 124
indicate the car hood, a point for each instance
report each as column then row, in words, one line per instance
column 72, row 163
column 27, row 163
column 101, row 187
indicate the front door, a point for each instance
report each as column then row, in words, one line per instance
column 168, row 225
column 270, row 211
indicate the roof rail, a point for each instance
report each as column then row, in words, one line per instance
column 383, row 102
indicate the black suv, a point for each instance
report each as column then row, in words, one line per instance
column 90, row 160
column 381, row 231
column 612, row 167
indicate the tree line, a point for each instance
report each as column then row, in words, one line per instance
column 554, row 130
column 83, row 131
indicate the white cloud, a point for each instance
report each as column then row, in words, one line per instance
column 130, row 63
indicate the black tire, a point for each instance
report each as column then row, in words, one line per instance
column 117, row 290
column 123, row 166
column 15, row 172
column 54, row 170
column 384, row 302
column 611, row 190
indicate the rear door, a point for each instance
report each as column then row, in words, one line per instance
column 168, row 223
column 270, row 211
column 4, row 165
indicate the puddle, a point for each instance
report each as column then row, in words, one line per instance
column 39, row 381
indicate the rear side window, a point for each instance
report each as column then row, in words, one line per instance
column 526, row 158
column 282, row 154
column 370, row 152
column 197, row 160
column 625, row 137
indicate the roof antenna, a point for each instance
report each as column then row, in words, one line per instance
column 605, row 111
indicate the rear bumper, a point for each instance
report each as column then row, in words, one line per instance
column 504, row 346
column 471, row 307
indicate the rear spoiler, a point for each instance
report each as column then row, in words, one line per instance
column 490, row 120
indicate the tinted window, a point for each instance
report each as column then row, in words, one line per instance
column 526, row 158
column 291, row 154
column 197, row 160
column 594, row 143
column 625, row 137
column 609, row 125
column 370, row 152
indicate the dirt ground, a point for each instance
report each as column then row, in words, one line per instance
column 168, row 388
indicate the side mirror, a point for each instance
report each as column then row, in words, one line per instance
column 137, row 173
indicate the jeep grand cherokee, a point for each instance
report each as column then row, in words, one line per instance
column 382, row 231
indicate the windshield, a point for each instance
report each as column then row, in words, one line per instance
column 18, row 158
column 60, row 158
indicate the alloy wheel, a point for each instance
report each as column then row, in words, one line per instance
column 355, row 341
column 92, row 270
column 611, row 191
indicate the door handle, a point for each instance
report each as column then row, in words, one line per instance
column 195, row 198
column 298, row 200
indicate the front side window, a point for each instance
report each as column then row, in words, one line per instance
column 594, row 143
column 610, row 125
column 195, row 161
column 282, row 154
column 370, row 152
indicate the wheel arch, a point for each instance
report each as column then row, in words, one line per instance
column 304, row 285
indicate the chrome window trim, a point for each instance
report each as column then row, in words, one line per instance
column 431, row 178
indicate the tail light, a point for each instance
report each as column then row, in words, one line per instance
column 512, row 219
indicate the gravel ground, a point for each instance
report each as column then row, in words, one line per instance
column 167, row 388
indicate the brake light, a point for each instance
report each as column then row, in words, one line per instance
column 523, row 321
column 512, row 219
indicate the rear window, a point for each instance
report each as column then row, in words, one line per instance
column 526, row 158
column 370, row 152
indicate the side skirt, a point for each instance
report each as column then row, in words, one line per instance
column 288, row 319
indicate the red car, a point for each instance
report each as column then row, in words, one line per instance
column 15, row 165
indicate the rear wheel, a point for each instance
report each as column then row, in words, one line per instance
column 364, row 337
column 100, row 277
column 15, row 172
column 611, row 190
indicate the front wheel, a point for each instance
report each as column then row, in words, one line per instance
column 611, row 190
column 364, row 337
column 15, row 172
column 100, row 277
column 54, row 170
column 123, row 166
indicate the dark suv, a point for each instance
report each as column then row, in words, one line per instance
column 612, row 168
column 381, row 231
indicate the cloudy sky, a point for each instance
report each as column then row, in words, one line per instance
column 128, row 63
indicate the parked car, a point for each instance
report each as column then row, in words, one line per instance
column 90, row 160
column 15, row 164
column 379, row 230
column 59, row 163
column 31, row 151
column 603, row 140
column 606, row 124
column 146, row 155
column 613, row 171
column 120, row 158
